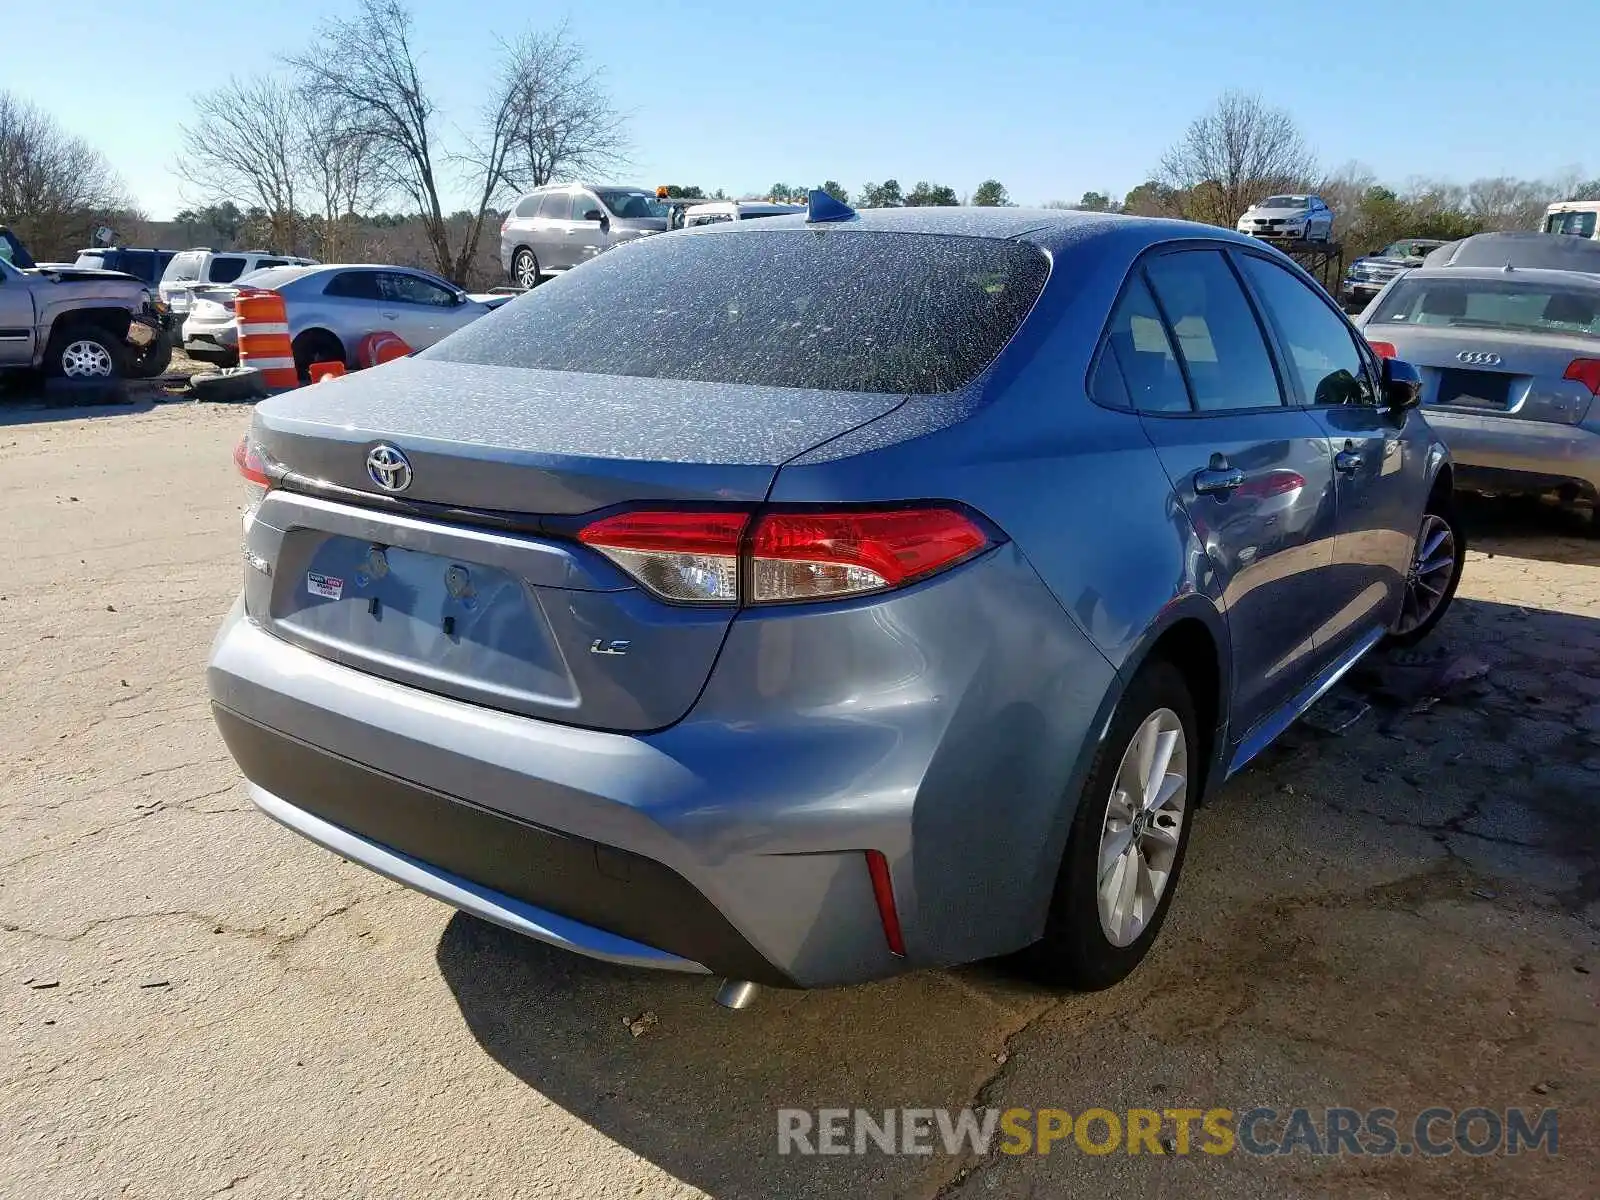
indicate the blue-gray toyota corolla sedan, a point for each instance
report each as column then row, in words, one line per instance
column 813, row 599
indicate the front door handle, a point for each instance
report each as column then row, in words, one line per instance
column 1348, row 459
column 1219, row 478
column 388, row 316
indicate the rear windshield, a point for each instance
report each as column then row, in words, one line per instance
column 837, row 310
column 1490, row 304
column 184, row 268
column 273, row 277
column 1578, row 224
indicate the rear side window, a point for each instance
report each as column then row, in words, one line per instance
column 263, row 264
column 527, row 206
column 138, row 262
column 225, row 268
column 1322, row 353
column 835, row 309
column 1217, row 334
column 555, row 205
column 1149, row 373
column 184, row 268
column 353, row 285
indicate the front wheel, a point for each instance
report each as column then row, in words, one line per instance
column 1128, row 838
column 86, row 352
column 153, row 360
column 1435, row 571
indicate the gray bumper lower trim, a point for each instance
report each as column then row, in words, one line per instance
column 469, row 897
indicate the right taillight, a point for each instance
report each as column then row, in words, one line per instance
column 718, row 557
column 1383, row 349
column 252, row 467
column 1587, row 372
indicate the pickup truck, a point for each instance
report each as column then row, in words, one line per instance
column 76, row 323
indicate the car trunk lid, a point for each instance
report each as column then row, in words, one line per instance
column 468, row 582
column 1496, row 371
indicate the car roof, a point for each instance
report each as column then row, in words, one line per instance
column 1580, row 280
column 1052, row 229
column 1549, row 250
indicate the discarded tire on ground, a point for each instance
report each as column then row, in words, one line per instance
column 230, row 386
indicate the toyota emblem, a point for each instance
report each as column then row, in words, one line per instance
column 1479, row 358
column 388, row 468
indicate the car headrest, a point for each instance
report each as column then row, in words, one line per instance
column 1444, row 302
column 1569, row 308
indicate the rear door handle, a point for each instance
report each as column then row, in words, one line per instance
column 1348, row 459
column 389, row 316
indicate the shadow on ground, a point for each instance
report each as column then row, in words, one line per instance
column 1400, row 913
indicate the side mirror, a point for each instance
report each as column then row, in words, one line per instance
column 1402, row 385
column 594, row 214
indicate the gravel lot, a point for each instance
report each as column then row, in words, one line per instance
column 195, row 1001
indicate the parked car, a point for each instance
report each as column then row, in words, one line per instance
column 808, row 650
column 1575, row 218
column 717, row 211
column 76, row 323
column 1365, row 277
column 194, row 270
column 554, row 228
column 332, row 307
column 145, row 265
column 1291, row 218
column 1518, row 250
column 1510, row 365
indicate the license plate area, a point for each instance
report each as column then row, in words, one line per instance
column 1473, row 389
column 419, row 617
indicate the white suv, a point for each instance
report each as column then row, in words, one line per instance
column 192, row 270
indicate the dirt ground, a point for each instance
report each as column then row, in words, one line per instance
column 195, row 1001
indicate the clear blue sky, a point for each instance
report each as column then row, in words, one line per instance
column 1052, row 97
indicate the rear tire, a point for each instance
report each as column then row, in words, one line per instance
column 525, row 268
column 1084, row 946
column 1431, row 582
column 155, row 360
column 315, row 346
column 86, row 352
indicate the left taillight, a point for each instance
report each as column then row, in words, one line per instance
column 784, row 556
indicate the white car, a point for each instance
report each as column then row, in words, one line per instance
column 1290, row 218
column 736, row 210
column 194, row 270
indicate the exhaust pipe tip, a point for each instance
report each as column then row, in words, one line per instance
column 737, row 993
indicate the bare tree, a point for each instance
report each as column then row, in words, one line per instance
column 564, row 120
column 545, row 112
column 54, row 188
column 342, row 168
column 1239, row 152
column 245, row 145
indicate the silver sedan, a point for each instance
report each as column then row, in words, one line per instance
column 1510, row 363
column 331, row 308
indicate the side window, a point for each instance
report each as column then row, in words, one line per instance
column 555, row 206
column 225, row 268
column 353, row 285
column 139, row 262
column 411, row 289
column 263, row 263
column 582, row 203
column 1217, row 333
column 527, row 206
column 1323, row 355
column 1150, row 374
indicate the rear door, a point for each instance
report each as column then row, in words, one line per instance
column 1380, row 459
column 1251, row 471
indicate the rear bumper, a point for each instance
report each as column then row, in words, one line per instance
column 944, row 726
column 1487, row 449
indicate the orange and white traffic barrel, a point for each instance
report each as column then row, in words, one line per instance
column 381, row 347
column 263, row 325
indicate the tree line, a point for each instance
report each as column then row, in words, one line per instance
column 342, row 154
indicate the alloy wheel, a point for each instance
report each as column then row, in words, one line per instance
column 86, row 359
column 1143, row 827
column 527, row 270
column 1428, row 580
